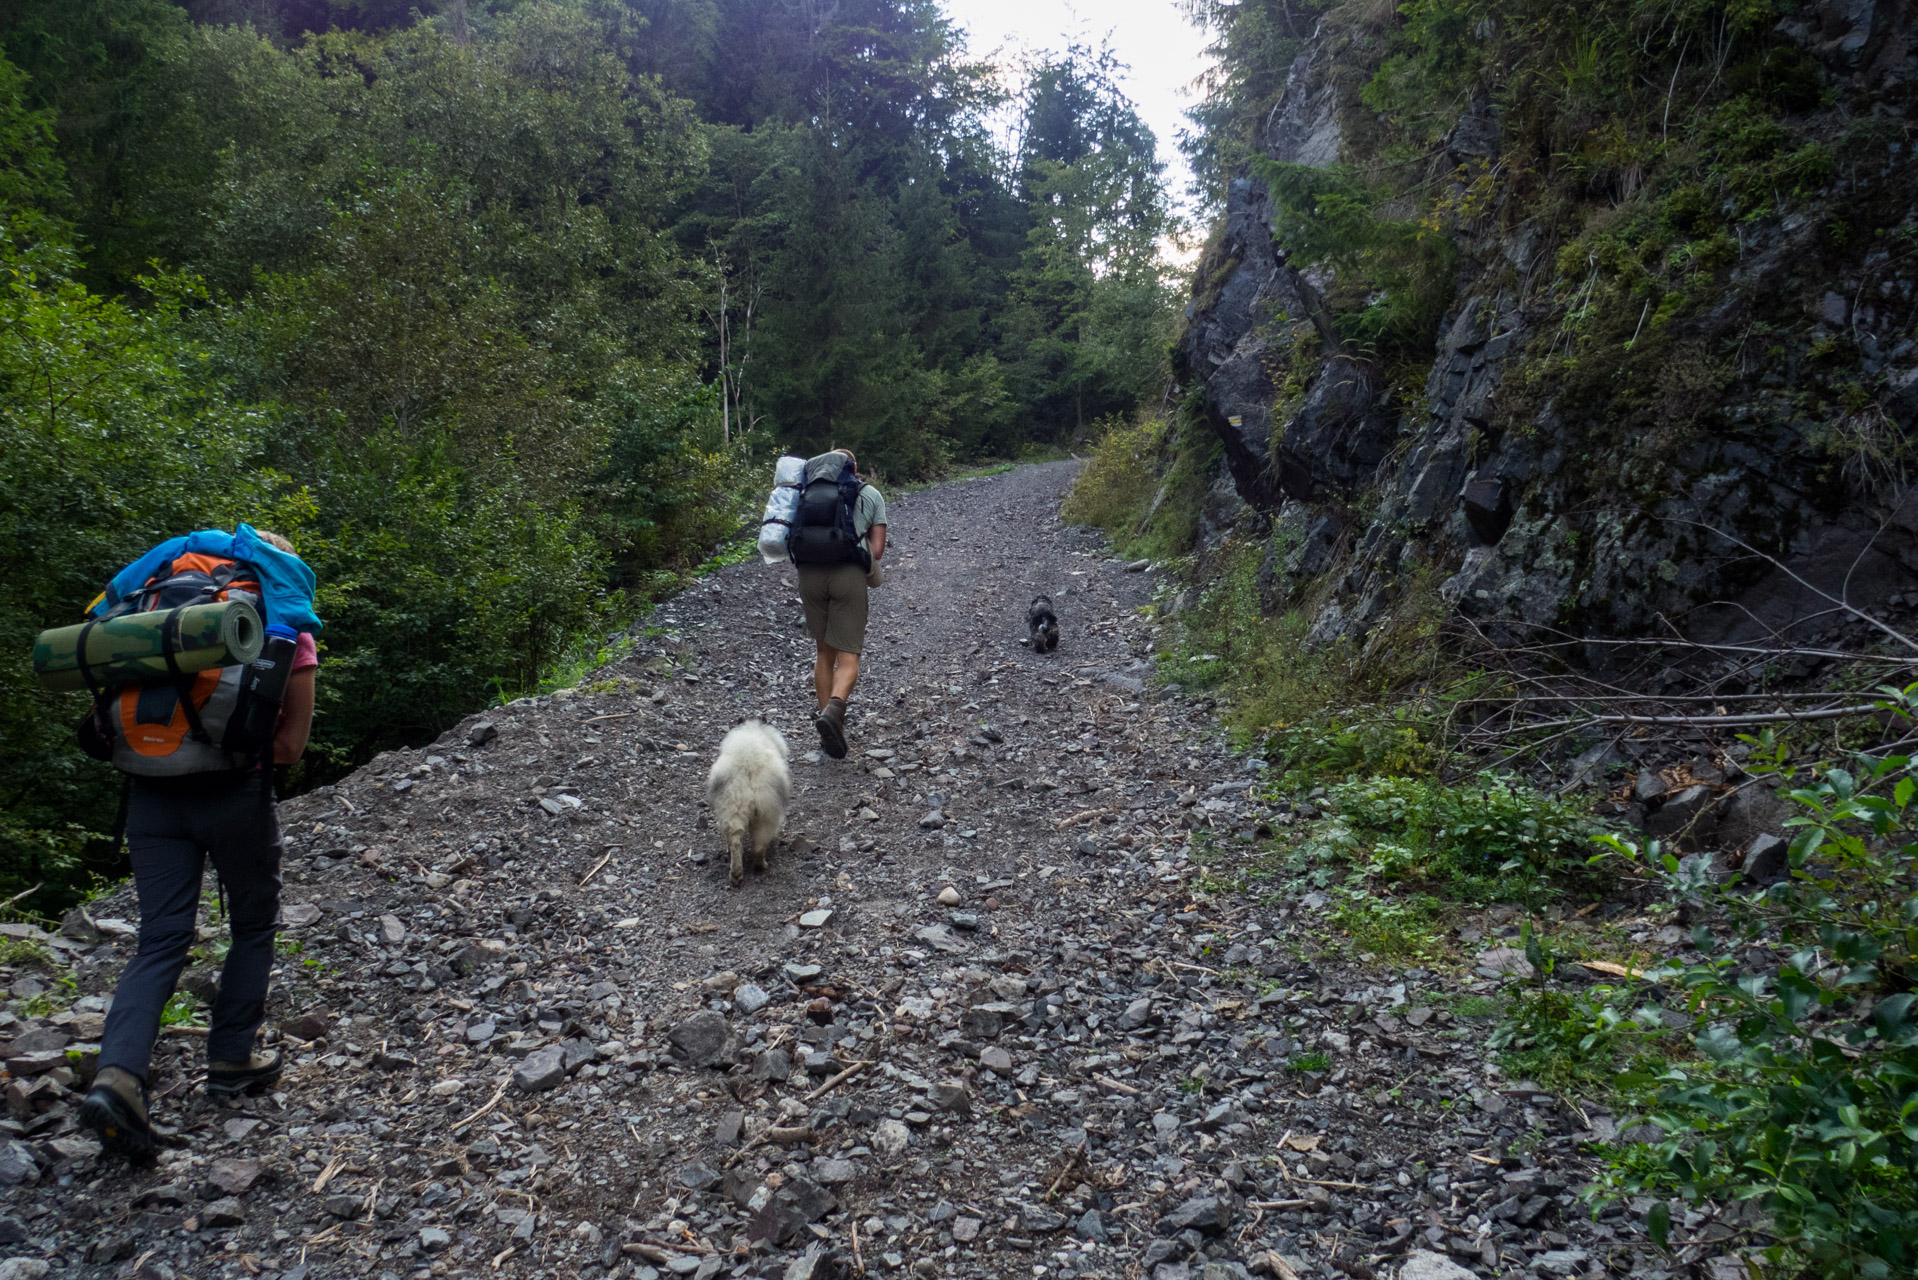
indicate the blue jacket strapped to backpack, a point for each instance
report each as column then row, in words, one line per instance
column 286, row 583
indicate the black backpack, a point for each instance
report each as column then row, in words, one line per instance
column 823, row 532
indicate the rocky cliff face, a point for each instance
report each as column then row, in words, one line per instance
column 1547, row 463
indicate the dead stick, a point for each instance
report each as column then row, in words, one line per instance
column 795, row 1133
column 857, row 1260
column 1072, row 1160
column 618, row 715
column 1777, row 717
column 838, row 1080
column 611, row 849
column 333, row 1166
column 497, row 1095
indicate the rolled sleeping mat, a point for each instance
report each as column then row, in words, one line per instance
column 131, row 649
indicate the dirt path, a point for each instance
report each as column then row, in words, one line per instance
column 536, row 1034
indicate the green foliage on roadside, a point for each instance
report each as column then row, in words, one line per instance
column 1144, row 483
column 1800, row 1088
column 1489, row 826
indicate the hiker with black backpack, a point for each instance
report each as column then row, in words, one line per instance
column 197, row 749
column 837, row 539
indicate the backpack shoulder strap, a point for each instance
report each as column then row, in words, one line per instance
column 182, row 680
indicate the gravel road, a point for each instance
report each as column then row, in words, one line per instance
column 982, row 1017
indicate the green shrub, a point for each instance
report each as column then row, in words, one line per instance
column 1575, row 1039
column 1804, row 1097
column 1115, row 484
column 1490, row 826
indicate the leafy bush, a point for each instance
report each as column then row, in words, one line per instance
column 1116, row 482
column 1576, row 1039
column 1804, row 1097
column 1490, row 826
column 1398, row 744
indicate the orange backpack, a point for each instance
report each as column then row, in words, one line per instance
column 189, row 725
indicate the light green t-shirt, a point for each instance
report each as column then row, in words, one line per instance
column 871, row 507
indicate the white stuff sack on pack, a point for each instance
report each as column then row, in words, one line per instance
column 782, row 508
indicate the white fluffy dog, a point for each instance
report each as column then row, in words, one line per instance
column 749, row 787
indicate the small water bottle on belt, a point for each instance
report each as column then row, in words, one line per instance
column 263, row 684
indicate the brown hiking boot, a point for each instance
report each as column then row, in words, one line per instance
column 831, row 723
column 116, row 1110
column 258, row 1071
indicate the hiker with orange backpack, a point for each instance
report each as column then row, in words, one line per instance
column 198, row 749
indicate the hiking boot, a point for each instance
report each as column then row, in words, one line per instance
column 256, row 1072
column 831, row 723
column 116, row 1110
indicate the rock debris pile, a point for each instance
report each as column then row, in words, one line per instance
column 982, row 1017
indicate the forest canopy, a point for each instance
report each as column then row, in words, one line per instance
column 499, row 312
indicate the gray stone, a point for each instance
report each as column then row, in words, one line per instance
column 1208, row 1214
column 1136, row 1014
column 541, row 1070
column 1767, row 861
column 79, row 926
column 1039, row 1219
column 17, row 1165
column 234, row 1177
column 703, row 1040
column 343, row 1206
column 1421, row 1265
column 932, row 821
column 24, row 1269
column 772, row 1064
column 749, row 999
column 39, row 1040
column 833, row 1172
column 890, row 1138
column 1504, row 962
column 1091, row 1227
column 1687, row 816
column 799, row 1201
column 699, row 1176
column 434, row 1239
column 981, row 1024
column 482, row 733
column 940, row 938
column 224, row 1212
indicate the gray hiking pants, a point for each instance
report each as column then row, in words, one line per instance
column 172, row 827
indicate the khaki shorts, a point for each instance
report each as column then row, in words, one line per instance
column 835, row 600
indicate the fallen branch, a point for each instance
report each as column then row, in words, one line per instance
column 487, row 1109
column 1072, row 1161
column 333, row 1166
column 611, row 849
column 773, row 1133
column 1778, row 717
column 838, row 1080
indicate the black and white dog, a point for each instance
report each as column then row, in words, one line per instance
column 1044, row 625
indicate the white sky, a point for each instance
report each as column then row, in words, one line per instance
column 1160, row 49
